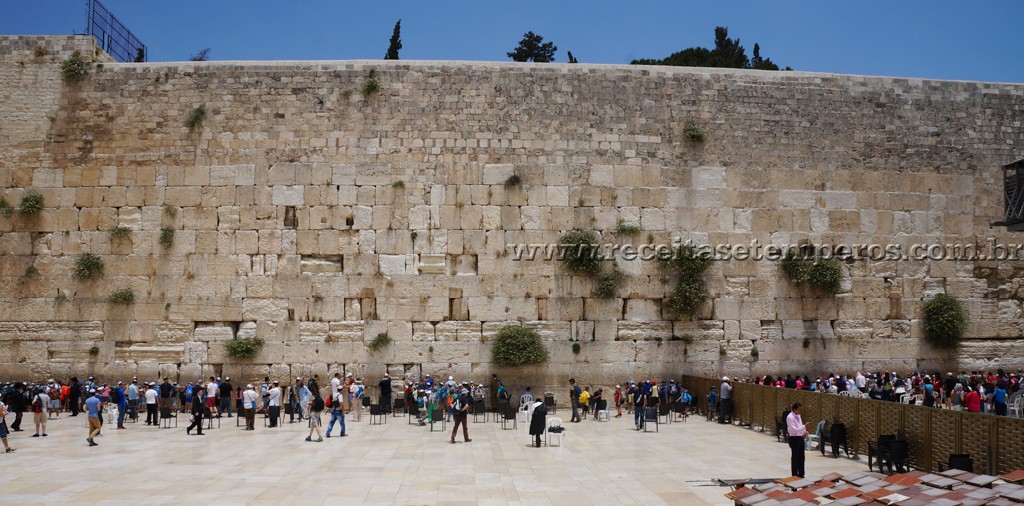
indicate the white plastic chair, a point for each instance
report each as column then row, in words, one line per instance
column 548, row 435
column 816, row 436
column 524, row 413
column 1015, row 407
column 605, row 412
column 844, row 393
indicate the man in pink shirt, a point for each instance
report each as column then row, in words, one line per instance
column 797, row 432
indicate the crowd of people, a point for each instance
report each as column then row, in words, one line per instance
column 977, row 392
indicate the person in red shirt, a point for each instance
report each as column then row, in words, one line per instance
column 972, row 400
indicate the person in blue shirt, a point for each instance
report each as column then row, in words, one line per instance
column 92, row 407
column 122, row 404
column 999, row 398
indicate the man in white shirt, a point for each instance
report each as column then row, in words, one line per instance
column 249, row 397
column 274, row 403
column 335, row 383
column 797, row 433
column 212, row 389
column 862, row 382
column 151, row 414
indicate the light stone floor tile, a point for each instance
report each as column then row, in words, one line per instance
column 392, row 464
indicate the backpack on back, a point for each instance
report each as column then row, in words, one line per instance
column 318, row 404
column 37, row 405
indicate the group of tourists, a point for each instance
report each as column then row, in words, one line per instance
column 977, row 391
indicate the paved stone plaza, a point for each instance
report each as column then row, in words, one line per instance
column 396, row 463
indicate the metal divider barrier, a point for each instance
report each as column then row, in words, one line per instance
column 995, row 443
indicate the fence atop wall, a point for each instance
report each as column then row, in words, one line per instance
column 112, row 36
column 996, row 443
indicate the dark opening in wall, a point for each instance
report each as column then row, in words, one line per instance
column 1013, row 189
column 289, row 217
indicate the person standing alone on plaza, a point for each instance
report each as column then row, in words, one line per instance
column 725, row 401
column 151, row 414
column 39, row 403
column 385, row 393
column 92, row 407
column 226, row 391
column 198, row 410
column 249, row 397
column 274, row 403
column 574, row 399
column 337, row 412
column 797, row 429
column 460, row 410
column 316, row 407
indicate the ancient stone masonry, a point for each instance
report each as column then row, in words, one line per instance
column 291, row 202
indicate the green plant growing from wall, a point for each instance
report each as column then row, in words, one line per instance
column 40, row 51
column 944, row 321
column 195, row 119
column 74, row 69
column 30, row 272
column 244, row 348
column 627, row 230
column 398, row 185
column 383, row 340
column 117, row 233
column 576, row 348
column 6, row 210
column 688, row 264
column 122, row 296
column 94, row 351
column 167, row 237
column 31, row 204
column 580, row 252
column 694, row 133
column 754, row 353
column 513, row 181
column 88, row 266
column 721, row 350
column 804, row 269
column 59, row 299
column 372, row 84
column 515, row 346
column 608, row 283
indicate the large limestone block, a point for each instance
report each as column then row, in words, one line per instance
column 264, row 309
column 642, row 310
column 551, row 330
column 214, row 332
column 644, row 330
column 394, row 265
column 699, row 330
column 345, row 331
column 458, row 331
column 51, row 331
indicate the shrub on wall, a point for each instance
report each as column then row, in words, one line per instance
column 246, row 347
column 379, row 342
column 74, row 68
column 581, row 252
column 607, row 284
column 822, row 273
column 122, row 296
column 944, row 321
column 87, row 266
column 690, row 292
column 31, row 204
column 515, row 346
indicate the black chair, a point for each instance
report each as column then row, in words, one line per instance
column 437, row 416
column 836, row 436
column 399, row 405
column 650, row 415
column 366, row 402
column 549, row 402
column 479, row 410
column 899, row 456
column 378, row 413
column 509, row 415
column 665, row 410
column 879, row 450
column 781, row 429
column 167, row 421
column 962, row 461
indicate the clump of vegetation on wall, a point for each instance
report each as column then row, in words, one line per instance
column 31, row 204
column 246, row 347
column 380, row 342
column 122, row 296
column 608, row 283
column 694, row 133
column 944, row 321
column 515, row 346
column 372, row 84
column 581, row 252
column 119, row 232
column 167, row 237
column 195, row 119
column 688, row 264
column 74, row 69
column 88, row 266
column 513, row 181
column 6, row 209
column 811, row 270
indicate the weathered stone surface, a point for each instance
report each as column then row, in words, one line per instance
column 288, row 229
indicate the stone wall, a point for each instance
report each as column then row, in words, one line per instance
column 316, row 216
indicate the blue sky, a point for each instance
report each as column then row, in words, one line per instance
column 935, row 39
